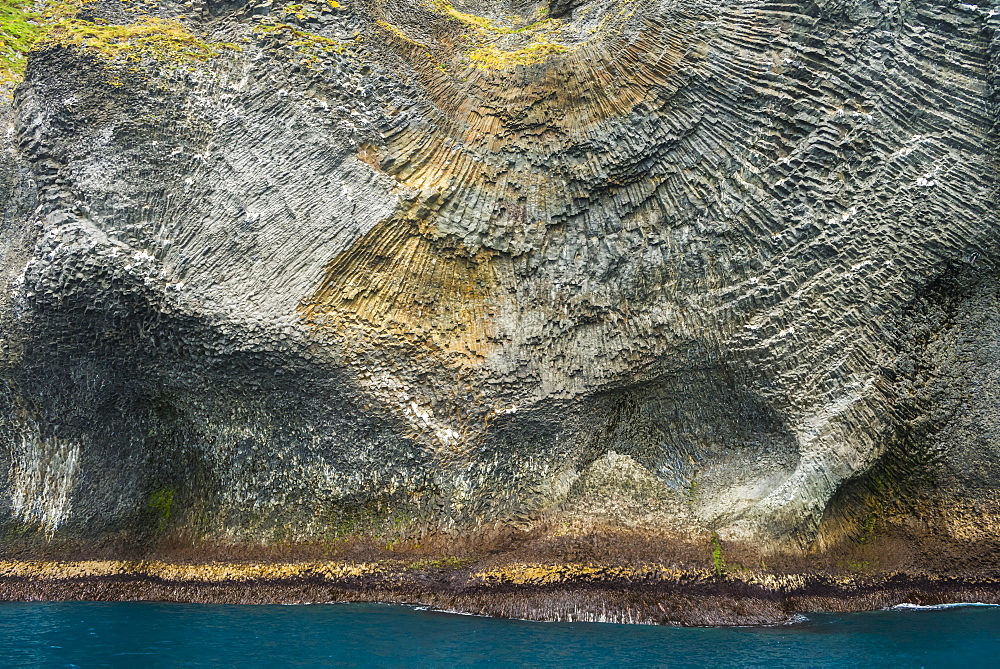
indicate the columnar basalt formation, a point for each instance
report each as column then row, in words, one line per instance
column 454, row 274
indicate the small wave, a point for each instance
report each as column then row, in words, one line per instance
column 453, row 612
column 935, row 607
column 434, row 609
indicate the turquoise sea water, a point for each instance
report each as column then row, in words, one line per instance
column 144, row 634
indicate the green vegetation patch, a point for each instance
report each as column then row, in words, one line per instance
column 314, row 48
column 490, row 46
column 860, row 566
column 483, row 23
column 23, row 28
column 20, row 28
column 19, row 34
column 490, row 57
column 161, row 503
column 163, row 40
column 718, row 562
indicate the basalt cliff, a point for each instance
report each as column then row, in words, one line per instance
column 703, row 285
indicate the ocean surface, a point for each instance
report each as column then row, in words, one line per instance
column 147, row 634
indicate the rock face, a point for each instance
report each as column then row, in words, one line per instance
column 403, row 269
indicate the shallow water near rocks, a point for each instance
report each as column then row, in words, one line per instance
column 139, row 634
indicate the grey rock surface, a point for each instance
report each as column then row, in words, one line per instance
column 412, row 268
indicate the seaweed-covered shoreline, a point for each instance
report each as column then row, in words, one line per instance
column 650, row 595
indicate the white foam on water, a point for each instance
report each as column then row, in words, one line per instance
column 434, row 609
column 935, row 607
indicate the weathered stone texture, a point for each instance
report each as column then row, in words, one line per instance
column 404, row 268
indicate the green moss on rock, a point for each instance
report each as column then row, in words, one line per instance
column 24, row 28
column 163, row 40
column 21, row 26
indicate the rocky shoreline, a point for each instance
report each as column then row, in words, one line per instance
column 679, row 313
column 648, row 594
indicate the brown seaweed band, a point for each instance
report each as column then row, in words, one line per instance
column 650, row 595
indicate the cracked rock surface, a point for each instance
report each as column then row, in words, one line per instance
column 409, row 269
